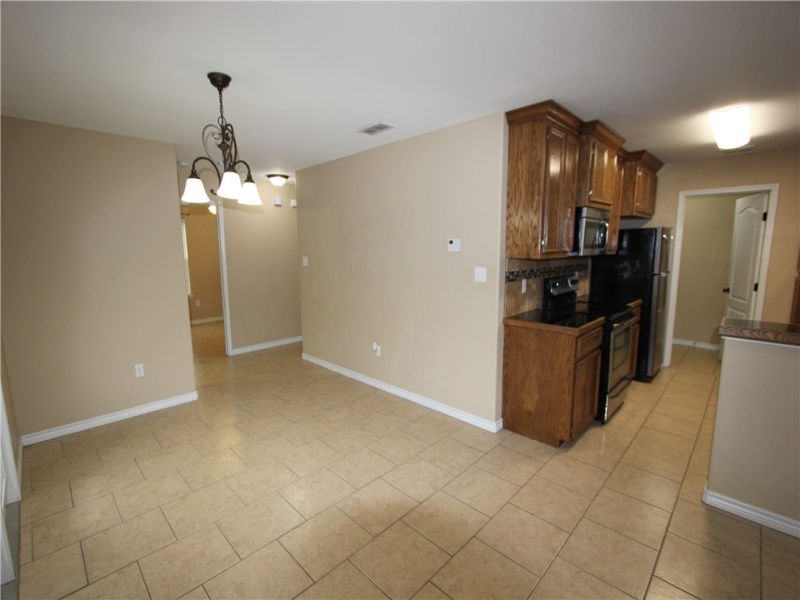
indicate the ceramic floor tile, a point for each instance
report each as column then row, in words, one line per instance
column 302, row 432
column 704, row 573
column 481, row 490
column 198, row 593
column 574, row 475
column 616, row 559
column 418, row 478
column 780, row 578
column 25, row 544
column 737, row 539
column 780, row 544
column 150, row 493
column 693, row 487
column 263, row 426
column 349, row 438
column 509, row 464
column 409, row 410
column 269, row 573
column 551, row 502
column 219, row 439
column 529, row 447
column 524, row 538
column 187, row 563
column 258, row 524
column 645, row 486
column 451, row 455
column 638, row 520
column 125, row 543
column 361, row 467
column 398, row 447
column 447, row 522
column 125, row 584
column 110, row 478
column 432, row 427
column 316, row 492
column 661, row 590
column 212, row 468
column 377, row 506
column 680, row 427
column 477, row 571
column 345, row 582
column 222, row 419
column 399, row 561
column 382, row 423
column 198, row 509
column 430, row 592
column 65, row 469
column 128, row 447
column 594, row 452
column 56, row 575
column 70, row 526
column 160, row 463
column 309, row 457
column 47, row 501
column 173, row 433
column 41, row 454
column 565, row 581
column 323, row 542
column 90, row 439
column 341, row 416
column 479, row 439
column 253, row 484
column 261, row 450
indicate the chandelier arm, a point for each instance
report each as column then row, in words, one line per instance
column 213, row 165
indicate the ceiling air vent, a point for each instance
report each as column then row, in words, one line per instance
column 376, row 128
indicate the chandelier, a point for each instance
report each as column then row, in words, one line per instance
column 230, row 184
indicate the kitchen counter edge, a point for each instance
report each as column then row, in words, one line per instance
column 761, row 331
column 576, row 331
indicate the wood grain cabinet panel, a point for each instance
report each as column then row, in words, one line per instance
column 543, row 153
column 597, row 169
column 639, row 184
column 551, row 379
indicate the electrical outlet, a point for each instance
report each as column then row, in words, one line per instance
column 305, row 261
column 139, row 369
column 197, row 302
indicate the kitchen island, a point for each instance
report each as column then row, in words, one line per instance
column 754, row 470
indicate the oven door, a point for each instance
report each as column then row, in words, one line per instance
column 620, row 348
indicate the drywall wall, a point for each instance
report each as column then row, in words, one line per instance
column 92, row 274
column 375, row 228
column 763, row 168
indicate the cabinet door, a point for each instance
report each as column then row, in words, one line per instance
column 587, row 389
column 561, row 179
column 646, row 192
column 603, row 176
column 616, row 209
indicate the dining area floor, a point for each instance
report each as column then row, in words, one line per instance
column 287, row 480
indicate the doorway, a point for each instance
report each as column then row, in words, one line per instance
column 710, row 195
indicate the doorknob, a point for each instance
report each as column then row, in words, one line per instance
column 726, row 290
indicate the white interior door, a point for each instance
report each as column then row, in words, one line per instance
column 748, row 237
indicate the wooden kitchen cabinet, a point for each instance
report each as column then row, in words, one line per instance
column 543, row 151
column 616, row 210
column 639, row 184
column 551, row 379
column 597, row 167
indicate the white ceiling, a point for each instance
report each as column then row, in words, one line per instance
column 307, row 75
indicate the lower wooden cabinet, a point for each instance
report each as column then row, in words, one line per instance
column 551, row 379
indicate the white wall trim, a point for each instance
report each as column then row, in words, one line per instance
column 13, row 491
column 491, row 426
column 55, row 432
column 772, row 209
column 752, row 513
column 693, row 344
column 208, row 320
column 265, row 346
column 223, row 273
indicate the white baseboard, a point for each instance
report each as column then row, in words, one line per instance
column 207, row 320
column 693, row 344
column 55, row 432
column 752, row 513
column 266, row 345
column 491, row 426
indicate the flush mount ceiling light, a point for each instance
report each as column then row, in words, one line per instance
column 277, row 180
column 731, row 126
column 221, row 134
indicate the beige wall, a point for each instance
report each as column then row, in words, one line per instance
column 263, row 268
column 746, row 170
column 374, row 227
column 704, row 268
column 203, row 245
column 92, row 274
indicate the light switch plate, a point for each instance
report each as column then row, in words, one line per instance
column 454, row 245
column 305, row 261
column 278, row 201
column 480, row 274
column 293, row 203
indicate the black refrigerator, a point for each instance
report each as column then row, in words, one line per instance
column 640, row 269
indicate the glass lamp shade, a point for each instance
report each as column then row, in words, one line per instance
column 194, row 192
column 249, row 193
column 277, row 180
column 231, row 186
column 212, row 208
column 731, row 127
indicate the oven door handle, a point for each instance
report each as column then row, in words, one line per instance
column 624, row 324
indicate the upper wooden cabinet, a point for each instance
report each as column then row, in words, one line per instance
column 543, row 150
column 639, row 184
column 597, row 168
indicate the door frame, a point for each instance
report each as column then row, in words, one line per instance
column 772, row 191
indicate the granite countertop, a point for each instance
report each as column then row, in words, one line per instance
column 778, row 333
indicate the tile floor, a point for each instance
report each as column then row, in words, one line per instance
column 286, row 480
